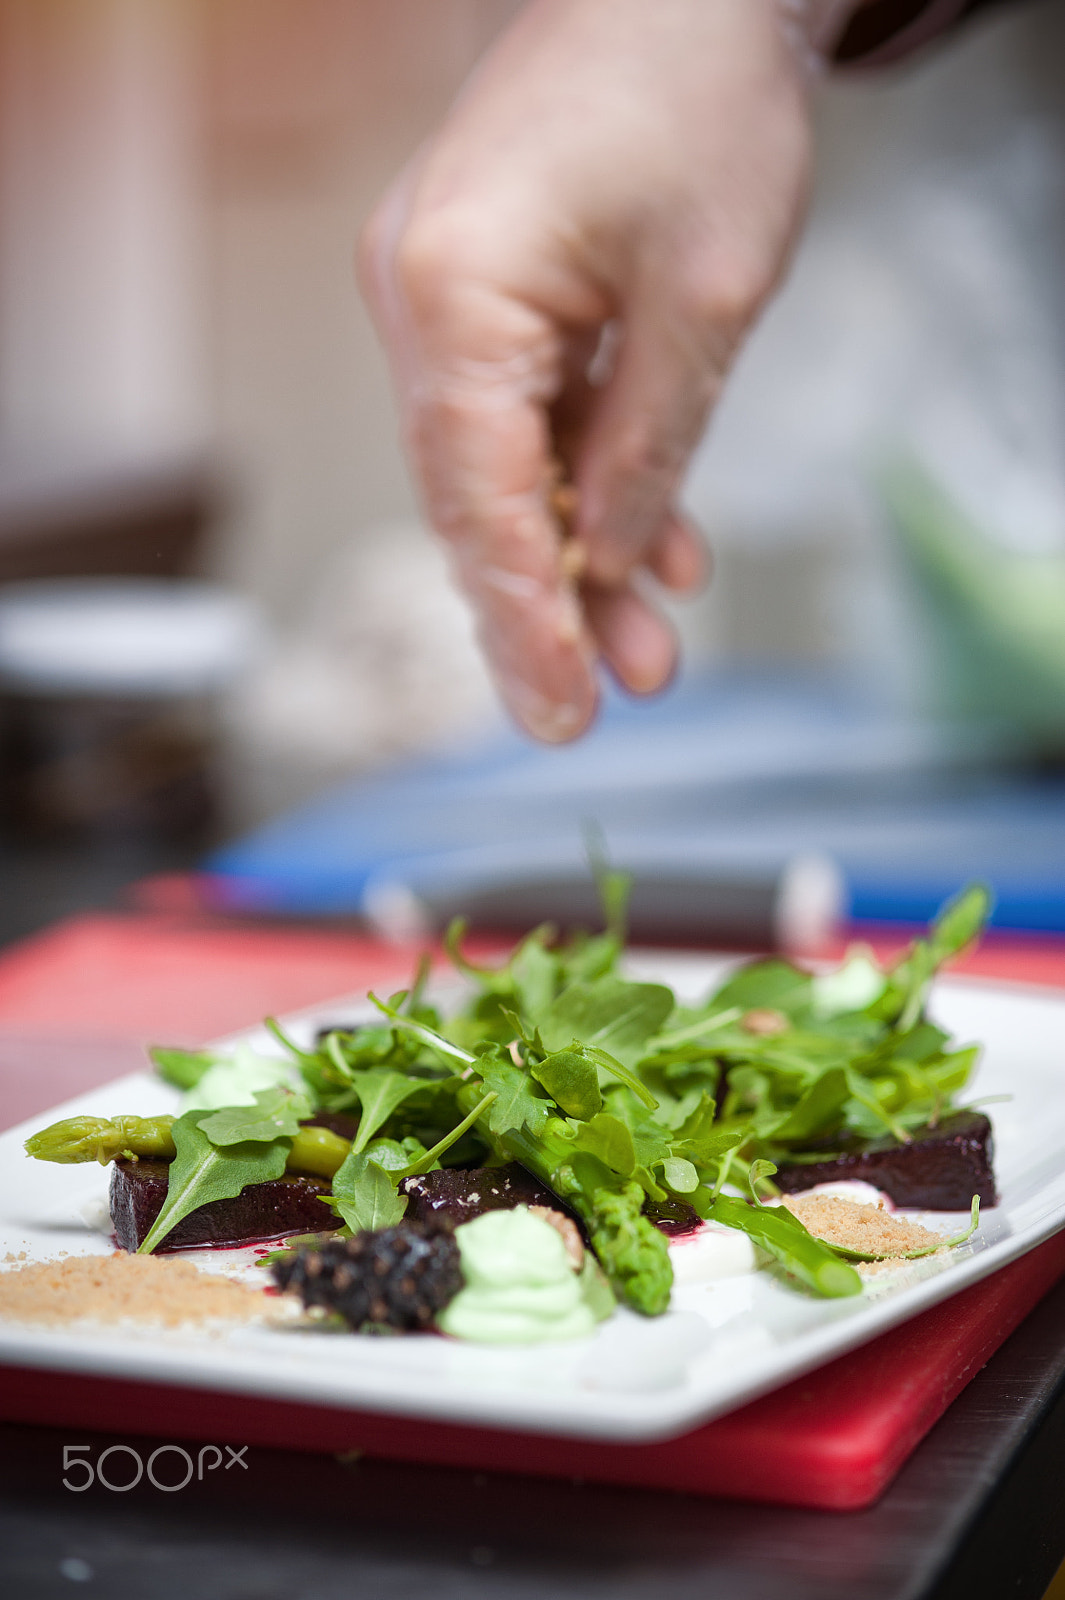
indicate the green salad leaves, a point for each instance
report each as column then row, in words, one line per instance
column 217, row 1154
column 619, row 1098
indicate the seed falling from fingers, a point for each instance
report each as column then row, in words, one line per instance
column 563, row 500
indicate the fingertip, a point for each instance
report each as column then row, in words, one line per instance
column 681, row 559
column 549, row 720
column 543, row 660
column 637, row 644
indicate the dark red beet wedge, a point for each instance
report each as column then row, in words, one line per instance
column 458, row 1195
column 939, row 1170
column 672, row 1217
column 290, row 1204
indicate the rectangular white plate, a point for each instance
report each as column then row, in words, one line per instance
column 720, row 1345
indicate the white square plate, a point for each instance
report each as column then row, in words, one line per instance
column 720, row 1345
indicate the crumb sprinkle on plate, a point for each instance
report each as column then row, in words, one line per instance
column 870, row 1229
column 126, row 1288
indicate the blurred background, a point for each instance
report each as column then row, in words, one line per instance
column 228, row 647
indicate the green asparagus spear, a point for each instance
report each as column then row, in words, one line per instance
column 97, row 1139
column 783, row 1236
column 632, row 1251
column 316, row 1150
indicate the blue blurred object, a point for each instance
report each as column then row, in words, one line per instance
column 719, row 788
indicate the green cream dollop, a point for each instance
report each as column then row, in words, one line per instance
column 520, row 1286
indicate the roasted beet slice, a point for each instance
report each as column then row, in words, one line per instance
column 672, row 1217
column 939, row 1170
column 459, row 1195
column 289, row 1204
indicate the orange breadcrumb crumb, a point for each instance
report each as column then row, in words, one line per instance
column 119, row 1288
column 867, row 1228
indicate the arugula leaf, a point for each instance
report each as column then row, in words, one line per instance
column 619, row 1074
column 422, row 974
column 608, row 1138
column 431, row 1158
column 530, row 976
column 680, row 1175
column 818, row 1110
column 953, row 1071
column 923, row 1042
column 486, row 977
column 852, row 987
column 380, row 1094
column 572, row 1082
column 611, row 1014
column 182, row 1068
column 516, row 1026
column 234, row 1080
column 699, row 1030
column 394, row 1155
column 276, row 1114
column 708, row 1149
column 274, row 1027
column 959, row 922
column 422, row 1031
column 864, row 1093
column 588, row 958
column 700, row 1121
column 365, row 1196
column 651, row 1141
column 772, row 985
column 294, row 1242
column 755, row 1173
column 615, row 890
column 952, row 930
column 534, row 975
column 614, row 887
column 201, row 1172
column 518, row 1104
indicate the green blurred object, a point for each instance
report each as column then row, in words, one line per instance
column 998, row 616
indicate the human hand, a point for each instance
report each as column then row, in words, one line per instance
column 619, row 181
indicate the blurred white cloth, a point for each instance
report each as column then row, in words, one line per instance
column 384, row 661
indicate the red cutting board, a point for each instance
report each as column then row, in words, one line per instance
column 832, row 1440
